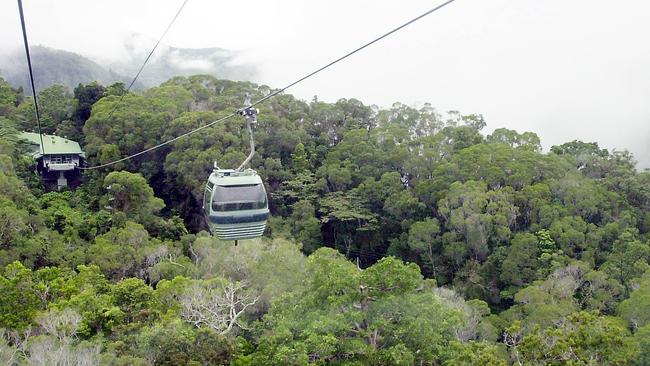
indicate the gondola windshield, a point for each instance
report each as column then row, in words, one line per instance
column 239, row 197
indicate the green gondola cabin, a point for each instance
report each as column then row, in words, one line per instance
column 235, row 204
column 58, row 161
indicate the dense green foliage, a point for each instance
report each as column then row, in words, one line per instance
column 398, row 237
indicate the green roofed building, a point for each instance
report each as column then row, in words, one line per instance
column 58, row 160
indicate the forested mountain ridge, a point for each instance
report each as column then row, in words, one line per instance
column 59, row 67
column 399, row 236
column 55, row 67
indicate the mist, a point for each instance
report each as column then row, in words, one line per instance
column 563, row 69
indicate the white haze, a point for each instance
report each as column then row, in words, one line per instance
column 181, row 63
column 564, row 69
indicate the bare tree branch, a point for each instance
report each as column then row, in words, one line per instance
column 218, row 308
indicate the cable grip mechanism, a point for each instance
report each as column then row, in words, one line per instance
column 248, row 111
column 251, row 119
column 250, row 114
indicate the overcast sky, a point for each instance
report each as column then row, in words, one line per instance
column 565, row 69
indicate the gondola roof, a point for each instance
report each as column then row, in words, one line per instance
column 232, row 177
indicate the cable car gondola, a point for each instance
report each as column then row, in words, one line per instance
column 235, row 202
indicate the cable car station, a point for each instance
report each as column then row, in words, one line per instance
column 57, row 160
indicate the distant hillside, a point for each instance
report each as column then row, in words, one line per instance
column 169, row 62
column 52, row 66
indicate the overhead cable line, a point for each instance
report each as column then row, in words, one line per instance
column 31, row 74
column 239, row 111
column 147, row 60
column 353, row 52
